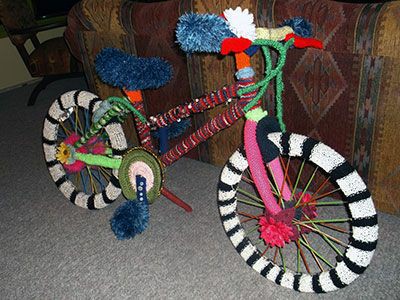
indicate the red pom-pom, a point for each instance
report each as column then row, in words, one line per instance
column 234, row 45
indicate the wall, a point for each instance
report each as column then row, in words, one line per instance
column 13, row 71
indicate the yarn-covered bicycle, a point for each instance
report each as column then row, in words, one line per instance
column 294, row 209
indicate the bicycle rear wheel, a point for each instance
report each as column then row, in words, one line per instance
column 69, row 118
column 325, row 236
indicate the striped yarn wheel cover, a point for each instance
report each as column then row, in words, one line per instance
column 118, row 143
column 364, row 233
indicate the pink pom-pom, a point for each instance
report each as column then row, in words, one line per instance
column 93, row 145
column 78, row 165
column 72, row 139
column 275, row 233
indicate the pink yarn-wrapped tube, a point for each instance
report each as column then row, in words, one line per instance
column 258, row 171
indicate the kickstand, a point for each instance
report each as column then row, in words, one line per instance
column 178, row 201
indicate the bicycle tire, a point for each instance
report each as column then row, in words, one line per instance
column 73, row 111
column 362, row 232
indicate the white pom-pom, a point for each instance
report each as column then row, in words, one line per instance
column 241, row 22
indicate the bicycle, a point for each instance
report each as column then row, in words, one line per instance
column 289, row 184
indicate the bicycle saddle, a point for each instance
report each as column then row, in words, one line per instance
column 120, row 69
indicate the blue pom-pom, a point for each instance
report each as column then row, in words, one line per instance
column 300, row 26
column 123, row 70
column 202, row 32
column 130, row 218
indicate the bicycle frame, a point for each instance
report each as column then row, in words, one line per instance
column 245, row 89
column 228, row 117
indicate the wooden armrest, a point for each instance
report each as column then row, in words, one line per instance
column 38, row 28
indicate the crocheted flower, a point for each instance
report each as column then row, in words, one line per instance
column 241, row 22
column 274, row 233
column 63, row 153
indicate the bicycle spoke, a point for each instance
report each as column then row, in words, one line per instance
column 329, row 203
column 105, row 173
column 275, row 255
column 84, row 182
column 249, row 217
column 311, row 249
column 249, row 202
column 250, row 195
column 98, row 179
column 320, row 188
column 313, row 255
column 78, row 122
column 326, row 237
column 265, row 251
column 91, row 180
column 325, row 221
column 285, row 177
column 333, row 227
column 282, row 259
column 87, row 120
column 247, row 180
column 303, row 257
column 275, row 187
column 297, row 179
column 74, row 125
column 298, row 260
column 326, row 194
column 67, row 132
column 288, row 177
column 307, row 185
column 324, row 234
column 252, row 229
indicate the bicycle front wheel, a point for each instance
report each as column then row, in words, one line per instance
column 326, row 233
column 68, row 119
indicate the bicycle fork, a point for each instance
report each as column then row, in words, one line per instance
column 260, row 153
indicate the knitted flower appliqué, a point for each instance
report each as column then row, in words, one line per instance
column 63, row 153
column 274, row 233
column 241, row 22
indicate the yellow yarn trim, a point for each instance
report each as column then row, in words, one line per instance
column 273, row 34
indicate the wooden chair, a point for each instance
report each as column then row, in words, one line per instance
column 50, row 59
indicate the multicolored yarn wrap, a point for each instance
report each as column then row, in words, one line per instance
column 270, row 73
column 220, row 122
column 143, row 128
column 197, row 105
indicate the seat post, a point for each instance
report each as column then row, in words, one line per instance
column 143, row 129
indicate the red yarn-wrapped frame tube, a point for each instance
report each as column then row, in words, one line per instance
column 224, row 120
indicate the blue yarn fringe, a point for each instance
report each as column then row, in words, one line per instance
column 202, row 32
column 300, row 26
column 120, row 69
